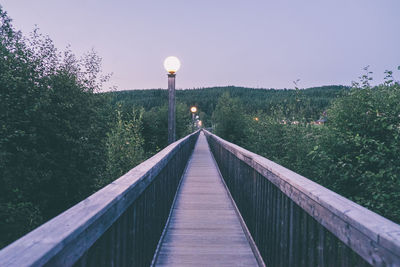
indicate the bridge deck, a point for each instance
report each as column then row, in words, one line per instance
column 204, row 229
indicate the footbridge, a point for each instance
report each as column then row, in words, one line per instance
column 203, row 201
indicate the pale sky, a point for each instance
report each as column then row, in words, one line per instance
column 251, row 43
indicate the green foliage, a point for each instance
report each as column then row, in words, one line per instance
column 124, row 145
column 17, row 218
column 229, row 119
column 53, row 129
column 308, row 103
column 283, row 141
column 361, row 147
column 155, row 126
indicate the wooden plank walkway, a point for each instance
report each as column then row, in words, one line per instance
column 204, row 229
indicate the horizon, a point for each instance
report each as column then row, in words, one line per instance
column 261, row 44
column 226, row 86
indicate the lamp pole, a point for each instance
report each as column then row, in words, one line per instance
column 171, row 108
column 171, row 64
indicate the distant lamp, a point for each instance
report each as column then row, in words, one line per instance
column 256, row 118
column 193, row 110
column 172, row 64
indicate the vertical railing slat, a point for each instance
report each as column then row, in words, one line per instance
column 286, row 235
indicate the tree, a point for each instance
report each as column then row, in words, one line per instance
column 359, row 153
column 229, row 119
column 124, row 145
column 155, row 126
column 53, row 129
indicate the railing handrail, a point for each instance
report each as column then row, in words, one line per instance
column 73, row 232
column 364, row 231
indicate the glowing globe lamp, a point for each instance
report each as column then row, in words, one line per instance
column 193, row 109
column 172, row 64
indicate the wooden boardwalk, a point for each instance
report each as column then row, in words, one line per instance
column 204, row 229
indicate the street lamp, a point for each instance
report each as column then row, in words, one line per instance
column 193, row 110
column 172, row 65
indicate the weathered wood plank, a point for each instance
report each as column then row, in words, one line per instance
column 204, row 229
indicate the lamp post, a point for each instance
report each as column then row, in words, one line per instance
column 193, row 110
column 171, row 64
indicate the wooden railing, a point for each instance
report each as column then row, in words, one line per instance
column 296, row 222
column 120, row 225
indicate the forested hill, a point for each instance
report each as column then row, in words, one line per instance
column 309, row 102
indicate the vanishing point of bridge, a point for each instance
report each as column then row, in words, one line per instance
column 203, row 201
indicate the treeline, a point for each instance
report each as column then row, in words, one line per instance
column 60, row 140
column 356, row 153
column 300, row 104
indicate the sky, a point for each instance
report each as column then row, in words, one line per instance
column 250, row 43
